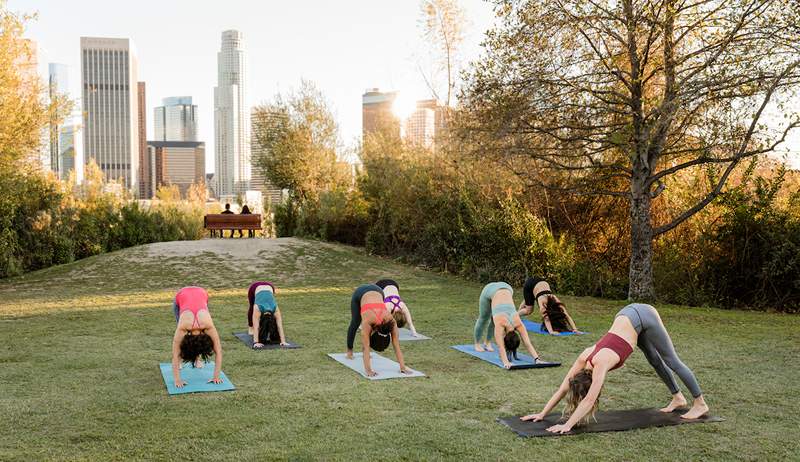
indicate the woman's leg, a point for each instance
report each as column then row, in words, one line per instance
column 484, row 318
column 175, row 309
column 355, row 317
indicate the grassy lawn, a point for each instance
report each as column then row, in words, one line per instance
column 81, row 342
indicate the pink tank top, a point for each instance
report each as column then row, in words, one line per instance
column 194, row 299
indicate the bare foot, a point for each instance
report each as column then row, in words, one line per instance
column 699, row 409
column 479, row 347
column 677, row 401
column 489, row 347
column 199, row 363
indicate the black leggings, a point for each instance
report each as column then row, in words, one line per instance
column 355, row 310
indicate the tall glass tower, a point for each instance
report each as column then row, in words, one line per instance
column 110, row 107
column 231, row 118
column 176, row 120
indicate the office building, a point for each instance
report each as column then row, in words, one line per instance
column 420, row 127
column 57, row 89
column 376, row 113
column 262, row 122
column 179, row 163
column 70, row 145
column 176, row 120
column 145, row 185
column 110, row 108
column 231, row 118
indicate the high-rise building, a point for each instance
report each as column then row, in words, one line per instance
column 110, row 107
column 145, row 185
column 263, row 122
column 176, row 120
column 58, row 88
column 231, row 118
column 420, row 127
column 70, row 145
column 180, row 163
column 376, row 113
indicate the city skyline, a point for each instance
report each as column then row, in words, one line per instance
column 287, row 42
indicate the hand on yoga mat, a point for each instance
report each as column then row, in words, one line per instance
column 560, row 428
column 180, row 383
column 258, row 346
column 370, row 373
column 507, row 364
column 534, row 417
column 215, row 379
column 284, row 343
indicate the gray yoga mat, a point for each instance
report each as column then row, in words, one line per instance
column 247, row 339
column 608, row 421
column 385, row 367
column 405, row 335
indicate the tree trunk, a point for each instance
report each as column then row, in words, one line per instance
column 640, row 277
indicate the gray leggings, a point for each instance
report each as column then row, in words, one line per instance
column 657, row 347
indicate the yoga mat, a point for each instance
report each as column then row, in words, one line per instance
column 405, row 335
column 196, row 379
column 524, row 361
column 609, row 421
column 538, row 328
column 385, row 367
column 247, row 339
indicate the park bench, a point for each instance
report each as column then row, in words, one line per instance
column 232, row 221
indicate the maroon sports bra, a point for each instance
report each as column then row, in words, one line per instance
column 614, row 343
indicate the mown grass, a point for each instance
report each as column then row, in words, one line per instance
column 81, row 342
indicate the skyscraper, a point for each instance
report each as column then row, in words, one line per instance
column 263, row 122
column 145, row 185
column 58, row 87
column 70, row 145
column 110, row 107
column 376, row 113
column 176, row 120
column 420, row 127
column 179, row 163
column 231, row 118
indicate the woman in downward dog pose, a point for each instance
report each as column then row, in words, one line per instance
column 555, row 319
column 496, row 309
column 397, row 307
column 636, row 324
column 263, row 315
column 378, row 328
column 195, row 337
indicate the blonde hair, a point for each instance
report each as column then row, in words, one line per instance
column 579, row 386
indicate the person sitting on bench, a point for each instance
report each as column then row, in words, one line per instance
column 496, row 309
column 555, row 318
column 397, row 307
column 246, row 211
column 635, row 325
column 195, row 337
column 227, row 211
column 264, row 319
column 378, row 328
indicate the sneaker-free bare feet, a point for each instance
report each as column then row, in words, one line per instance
column 489, row 347
column 699, row 409
column 677, row 401
column 479, row 347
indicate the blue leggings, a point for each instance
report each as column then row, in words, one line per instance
column 657, row 347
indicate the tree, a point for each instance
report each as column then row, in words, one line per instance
column 613, row 97
column 299, row 137
column 442, row 23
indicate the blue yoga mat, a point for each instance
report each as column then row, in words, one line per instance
column 524, row 361
column 538, row 328
column 196, row 379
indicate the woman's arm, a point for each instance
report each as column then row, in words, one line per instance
column 256, row 325
column 176, row 357
column 587, row 403
column 279, row 320
column 366, row 329
column 396, row 346
column 212, row 332
column 407, row 314
column 571, row 322
column 547, row 324
column 499, row 335
column 526, row 339
column 577, row 366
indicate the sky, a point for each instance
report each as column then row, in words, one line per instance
column 343, row 46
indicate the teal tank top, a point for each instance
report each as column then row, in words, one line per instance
column 265, row 302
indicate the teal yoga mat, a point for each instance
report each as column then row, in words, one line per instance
column 524, row 361
column 196, row 379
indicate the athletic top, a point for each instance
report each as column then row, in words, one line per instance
column 614, row 343
column 395, row 300
column 251, row 291
column 194, row 299
column 387, row 282
column 507, row 309
column 377, row 308
column 265, row 301
column 527, row 290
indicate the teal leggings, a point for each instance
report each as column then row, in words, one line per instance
column 485, row 310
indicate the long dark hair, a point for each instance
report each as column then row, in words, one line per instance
column 511, row 342
column 555, row 311
column 196, row 346
column 268, row 329
column 381, row 336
